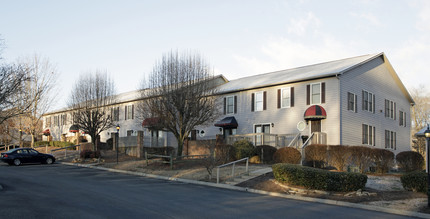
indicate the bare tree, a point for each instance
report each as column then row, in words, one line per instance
column 420, row 115
column 90, row 100
column 38, row 95
column 180, row 93
column 13, row 78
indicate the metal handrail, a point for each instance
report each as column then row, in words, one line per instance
column 294, row 141
column 232, row 171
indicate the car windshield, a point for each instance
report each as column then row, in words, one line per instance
column 33, row 151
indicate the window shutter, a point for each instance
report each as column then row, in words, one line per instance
column 404, row 117
column 355, row 103
column 362, row 99
column 308, row 94
column 374, row 103
column 132, row 111
column 323, row 92
column 252, row 102
column 125, row 113
column 264, row 100
column 394, row 111
column 225, row 105
column 279, row 98
column 235, row 104
column 292, row 96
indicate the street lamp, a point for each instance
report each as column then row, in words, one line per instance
column 427, row 135
column 20, row 138
column 117, row 140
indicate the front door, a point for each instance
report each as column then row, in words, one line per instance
column 261, row 129
column 315, row 126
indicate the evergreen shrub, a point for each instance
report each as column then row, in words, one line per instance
column 415, row 181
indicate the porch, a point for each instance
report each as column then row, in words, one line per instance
column 280, row 140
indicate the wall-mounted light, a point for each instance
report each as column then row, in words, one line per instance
column 273, row 125
column 220, row 129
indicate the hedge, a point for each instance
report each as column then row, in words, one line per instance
column 287, row 155
column 312, row 178
column 415, row 181
column 53, row 143
column 244, row 148
column 265, row 153
column 409, row 161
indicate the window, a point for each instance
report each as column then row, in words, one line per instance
column 115, row 113
column 390, row 109
column 352, row 102
column 64, row 119
column 390, row 139
column 261, row 139
column 48, row 121
column 368, row 101
column 315, row 93
column 56, row 121
column 368, row 134
column 230, row 105
column 402, row 118
column 129, row 112
column 258, row 101
column 285, row 97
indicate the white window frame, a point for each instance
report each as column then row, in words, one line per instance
column 286, row 101
column 390, row 140
column 130, row 113
column 368, row 135
column 259, row 105
column 227, row 111
column 390, row 112
column 312, row 93
column 370, row 101
column 354, row 102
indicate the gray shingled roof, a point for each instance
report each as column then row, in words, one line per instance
column 295, row 74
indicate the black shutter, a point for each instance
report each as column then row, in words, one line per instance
column 252, row 102
column 292, row 96
column 125, row 113
column 235, row 104
column 355, row 103
column 279, row 98
column 323, row 92
column 264, row 100
column 308, row 94
column 225, row 105
column 362, row 99
column 132, row 111
column 374, row 103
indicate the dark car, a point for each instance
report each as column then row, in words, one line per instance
column 26, row 155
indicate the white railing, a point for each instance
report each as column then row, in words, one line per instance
column 296, row 141
column 275, row 140
column 233, row 167
column 8, row 147
column 65, row 150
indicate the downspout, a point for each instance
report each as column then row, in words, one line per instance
column 340, row 110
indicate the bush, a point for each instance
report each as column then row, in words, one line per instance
column 225, row 153
column 287, row 155
column 316, row 155
column 265, row 153
column 384, row 160
column 415, row 181
column 338, row 156
column 410, row 161
column 312, row 178
column 243, row 148
column 90, row 154
column 361, row 157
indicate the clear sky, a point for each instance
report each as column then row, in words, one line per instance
column 238, row 37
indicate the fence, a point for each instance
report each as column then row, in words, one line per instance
column 65, row 151
column 8, row 147
column 233, row 168
column 275, row 140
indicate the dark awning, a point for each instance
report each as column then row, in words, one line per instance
column 74, row 128
column 227, row 122
column 315, row 112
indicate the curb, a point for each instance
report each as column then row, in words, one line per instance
column 261, row 192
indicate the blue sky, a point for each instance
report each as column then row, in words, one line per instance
column 238, row 38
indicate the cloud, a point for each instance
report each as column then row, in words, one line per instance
column 368, row 17
column 301, row 26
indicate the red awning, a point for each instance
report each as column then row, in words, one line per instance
column 315, row 112
column 152, row 123
column 46, row 132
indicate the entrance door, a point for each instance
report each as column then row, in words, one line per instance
column 261, row 129
column 315, row 126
